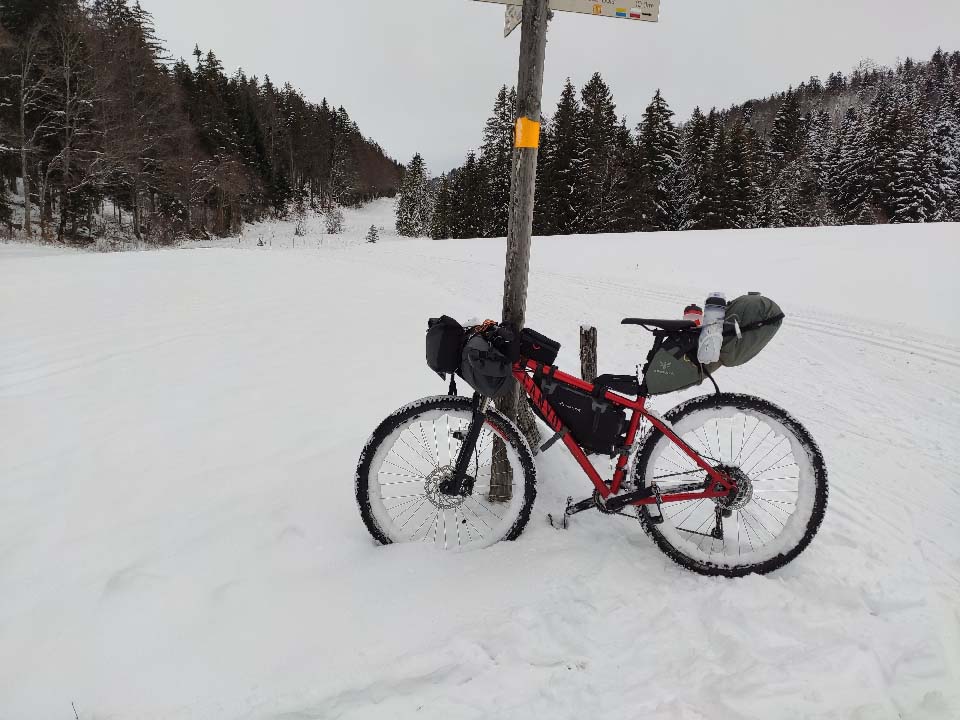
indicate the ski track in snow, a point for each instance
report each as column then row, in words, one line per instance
column 180, row 540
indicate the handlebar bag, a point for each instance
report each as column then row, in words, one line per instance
column 485, row 368
column 445, row 338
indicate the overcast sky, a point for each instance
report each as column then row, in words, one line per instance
column 421, row 75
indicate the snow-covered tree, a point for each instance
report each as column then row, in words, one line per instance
column 946, row 160
column 651, row 198
column 561, row 194
column 440, row 221
column 467, row 217
column 787, row 137
column 916, row 187
column 497, row 159
column 333, row 220
column 850, row 179
column 694, row 175
column 415, row 203
column 603, row 157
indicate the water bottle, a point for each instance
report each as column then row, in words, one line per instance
column 711, row 336
column 694, row 314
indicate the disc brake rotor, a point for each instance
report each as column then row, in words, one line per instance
column 435, row 496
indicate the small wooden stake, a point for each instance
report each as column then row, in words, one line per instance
column 588, row 353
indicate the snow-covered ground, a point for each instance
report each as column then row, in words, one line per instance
column 179, row 430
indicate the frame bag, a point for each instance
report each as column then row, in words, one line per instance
column 598, row 426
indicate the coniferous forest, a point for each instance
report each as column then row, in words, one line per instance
column 876, row 145
column 97, row 120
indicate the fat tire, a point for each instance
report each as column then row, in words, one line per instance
column 403, row 416
column 745, row 402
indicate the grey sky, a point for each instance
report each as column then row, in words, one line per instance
column 421, row 75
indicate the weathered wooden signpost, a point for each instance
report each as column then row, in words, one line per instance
column 533, row 44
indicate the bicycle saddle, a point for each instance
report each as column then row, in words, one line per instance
column 668, row 325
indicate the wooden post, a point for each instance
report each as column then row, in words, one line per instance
column 533, row 48
column 588, row 353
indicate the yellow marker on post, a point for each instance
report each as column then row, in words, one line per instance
column 528, row 133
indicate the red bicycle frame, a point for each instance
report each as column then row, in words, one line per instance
column 720, row 487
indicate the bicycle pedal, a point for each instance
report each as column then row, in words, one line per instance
column 658, row 520
column 562, row 524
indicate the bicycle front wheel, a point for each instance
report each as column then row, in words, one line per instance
column 403, row 465
column 781, row 480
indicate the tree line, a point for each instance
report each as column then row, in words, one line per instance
column 877, row 145
column 92, row 110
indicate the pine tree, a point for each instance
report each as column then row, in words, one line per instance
column 946, row 160
column 414, row 205
column 742, row 190
column 814, row 168
column 497, row 158
column 885, row 139
column 788, row 134
column 602, row 159
column 373, row 235
column 654, row 161
column 442, row 209
column 850, row 180
column 562, row 191
column 694, row 191
column 915, row 186
column 469, row 187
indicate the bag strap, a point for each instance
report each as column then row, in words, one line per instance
column 756, row 325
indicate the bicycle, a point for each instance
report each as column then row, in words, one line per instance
column 724, row 484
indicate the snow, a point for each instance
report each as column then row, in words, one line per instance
column 180, row 540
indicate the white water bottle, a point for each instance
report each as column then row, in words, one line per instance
column 711, row 336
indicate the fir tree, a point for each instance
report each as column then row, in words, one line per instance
column 741, row 178
column 850, row 180
column 915, row 187
column 414, row 205
column 695, row 170
column 814, row 168
column 603, row 157
column 563, row 168
column 443, row 207
column 373, row 235
column 788, row 134
column 497, row 158
column 946, row 161
column 467, row 218
column 651, row 202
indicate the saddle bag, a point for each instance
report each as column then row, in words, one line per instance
column 672, row 365
column 759, row 319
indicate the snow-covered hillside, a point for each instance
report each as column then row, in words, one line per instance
column 179, row 430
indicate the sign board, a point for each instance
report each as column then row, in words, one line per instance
column 645, row 10
column 512, row 20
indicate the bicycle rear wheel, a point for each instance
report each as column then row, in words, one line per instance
column 403, row 465
column 781, row 481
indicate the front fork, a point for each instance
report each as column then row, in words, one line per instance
column 459, row 483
